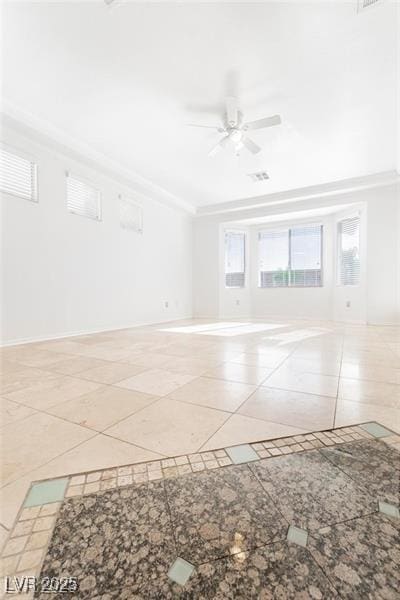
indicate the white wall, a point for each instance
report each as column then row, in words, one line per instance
column 383, row 268
column 64, row 274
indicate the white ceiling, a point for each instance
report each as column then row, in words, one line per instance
column 127, row 80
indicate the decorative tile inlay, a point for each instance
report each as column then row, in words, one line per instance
column 310, row 492
column 218, row 513
column 297, row 536
column 378, row 431
column 275, row 571
column 361, row 557
column 120, row 529
column 46, row 491
column 389, row 510
column 372, row 464
column 241, row 454
column 116, row 538
column 180, row 571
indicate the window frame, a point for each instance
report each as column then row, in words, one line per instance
column 89, row 183
column 244, row 233
column 30, row 158
column 354, row 215
column 289, row 228
column 125, row 199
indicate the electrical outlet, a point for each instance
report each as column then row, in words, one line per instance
column 348, row 303
column 237, row 302
column 166, row 304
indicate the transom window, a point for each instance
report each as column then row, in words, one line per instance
column 235, row 243
column 290, row 257
column 82, row 198
column 18, row 175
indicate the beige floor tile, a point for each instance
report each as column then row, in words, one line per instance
column 322, row 365
column 371, row 392
column 189, row 365
column 270, row 360
column 241, row 430
column 11, row 411
column 112, row 372
column 351, row 413
column 99, row 452
column 77, row 364
column 291, row 408
column 3, row 536
column 309, row 383
column 11, row 498
column 35, row 440
column 33, row 357
column 48, row 393
column 214, row 393
column 170, row 427
column 102, row 408
column 22, row 379
column 240, row 373
column 156, row 382
column 9, row 366
column 150, row 360
column 370, row 373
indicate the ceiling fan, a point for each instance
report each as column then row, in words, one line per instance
column 235, row 129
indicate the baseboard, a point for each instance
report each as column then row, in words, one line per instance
column 35, row 339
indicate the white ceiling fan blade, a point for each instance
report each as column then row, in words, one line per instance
column 250, row 145
column 206, row 126
column 231, row 111
column 221, row 144
column 261, row 123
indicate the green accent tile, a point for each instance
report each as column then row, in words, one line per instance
column 180, row 571
column 45, row 492
column 241, row 454
column 376, row 430
column 297, row 536
column 389, row 509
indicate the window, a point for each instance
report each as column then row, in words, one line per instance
column 18, row 175
column 82, row 198
column 291, row 257
column 131, row 215
column 349, row 251
column 234, row 259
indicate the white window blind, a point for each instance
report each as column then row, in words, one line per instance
column 235, row 243
column 131, row 215
column 18, row 175
column 349, row 251
column 306, row 256
column 291, row 257
column 82, row 198
column 273, row 258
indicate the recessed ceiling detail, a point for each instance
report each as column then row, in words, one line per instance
column 130, row 102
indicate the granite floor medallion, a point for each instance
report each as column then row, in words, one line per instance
column 312, row 516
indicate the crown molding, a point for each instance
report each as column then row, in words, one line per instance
column 46, row 134
column 325, row 190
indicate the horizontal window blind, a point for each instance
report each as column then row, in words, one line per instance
column 291, row 257
column 349, row 251
column 274, row 258
column 305, row 256
column 18, row 175
column 131, row 215
column 82, row 198
column 235, row 243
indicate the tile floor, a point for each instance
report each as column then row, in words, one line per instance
column 313, row 516
column 146, row 393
